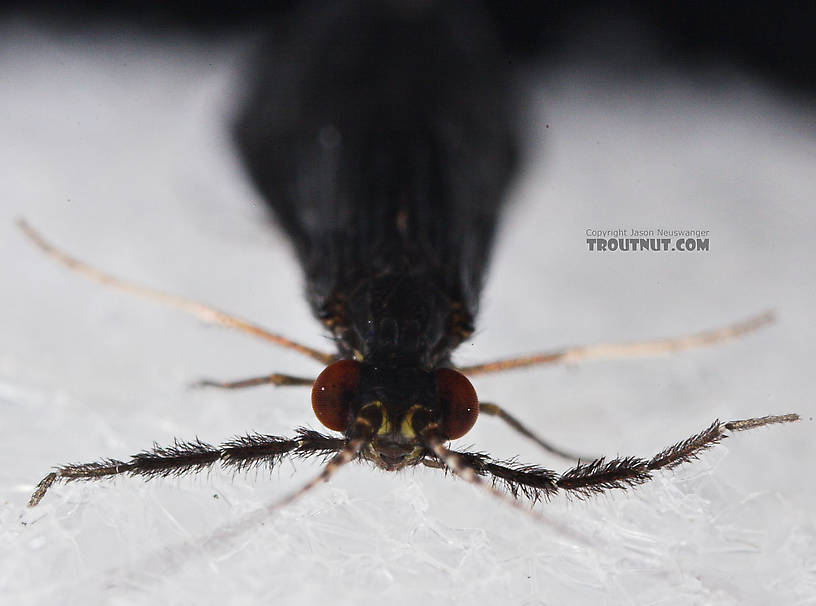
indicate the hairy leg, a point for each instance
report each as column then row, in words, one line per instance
column 240, row 454
column 601, row 475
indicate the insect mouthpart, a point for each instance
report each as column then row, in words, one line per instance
column 395, row 444
column 391, row 455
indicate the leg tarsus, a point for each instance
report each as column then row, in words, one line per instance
column 42, row 488
column 273, row 379
column 495, row 410
column 759, row 422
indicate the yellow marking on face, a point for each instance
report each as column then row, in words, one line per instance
column 385, row 425
column 407, row 427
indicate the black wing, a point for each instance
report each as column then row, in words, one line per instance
column 380, row 133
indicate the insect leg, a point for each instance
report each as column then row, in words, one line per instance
column 362, row 431
column 531, row 481
column 349, row 452
column 240, row 454
column 635, row 349
column 495, row 410
column 470, row 466
column 275, row 379
column 600, row 475
column 203, row 312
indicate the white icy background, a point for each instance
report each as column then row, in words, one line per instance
column 115, row 147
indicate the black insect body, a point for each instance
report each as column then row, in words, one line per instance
column 382, row 139
column 381, row 135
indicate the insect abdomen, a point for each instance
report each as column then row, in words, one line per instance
column 380, row 134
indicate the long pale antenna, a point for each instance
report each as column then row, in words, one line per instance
column 202, row 311
column 634, row 349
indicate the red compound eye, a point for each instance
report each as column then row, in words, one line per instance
column 333, row 391
column 460, row 406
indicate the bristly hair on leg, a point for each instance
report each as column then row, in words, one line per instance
column 361, row 433
column 248, row 452
column 586, row 479
column 350, row 452
column 242, row 453
column 533, row 482
column 470, row 467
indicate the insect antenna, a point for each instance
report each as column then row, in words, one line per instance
column 635, row 349
column 202, row 311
